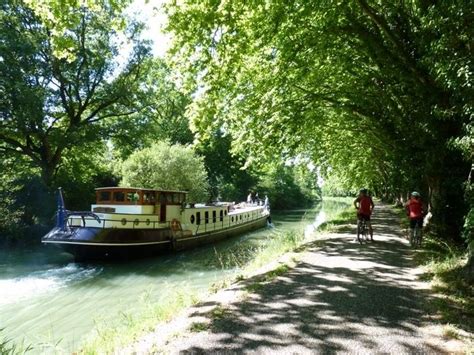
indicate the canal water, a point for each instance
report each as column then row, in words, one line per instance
column 49, row 301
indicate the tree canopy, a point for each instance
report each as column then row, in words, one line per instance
column 50, row 103
column 374, row 92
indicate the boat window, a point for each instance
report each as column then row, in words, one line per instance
column 232, row 218
column 119, row 196
column 148, row 197
column 162, row 198
column 206, row 217
column 192, row 219
column 104, row 196
column 214, row 216
column 176, row 198
column 225, row 213
column 198, row 217
column 221, row 215
column 133, row 196
column 240, row 217
column 169, row 198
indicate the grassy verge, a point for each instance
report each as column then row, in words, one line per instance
column 340, row 222
column 8, row 347
column 107, row 339
column 443, row 263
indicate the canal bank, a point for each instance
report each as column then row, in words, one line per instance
column 333, row 295
column 57, row 305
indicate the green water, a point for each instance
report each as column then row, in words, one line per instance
column 47, row 300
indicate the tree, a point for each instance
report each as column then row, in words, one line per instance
column 373, row 91
column 228, row 179
column 50, row 103
column 163, row 117
column 167, row 167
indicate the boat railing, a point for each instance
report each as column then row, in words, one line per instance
column 114, row 223
column 137, row 223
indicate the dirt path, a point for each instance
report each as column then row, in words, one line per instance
column 339, row 297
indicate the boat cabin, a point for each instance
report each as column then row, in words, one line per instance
column 129, row 200
column 136, row 196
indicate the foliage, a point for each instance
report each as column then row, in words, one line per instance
column 82, row 171
column 287, row 189
column 168, row 167
column 51, row 103
column 24, row 203
column 27, row 208
column 374, row 92
column 228, row 181
column 291, row 185
column 444, row 264
column 162, row 117
column 62, row 15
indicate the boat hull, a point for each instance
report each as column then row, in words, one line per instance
column 87, row 243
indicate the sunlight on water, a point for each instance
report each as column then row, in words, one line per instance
column 320, row 219
column 19, row 289
column 40, row 282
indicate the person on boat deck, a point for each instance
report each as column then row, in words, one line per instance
column 266, row 202
column 249, row 198
column 257, row 200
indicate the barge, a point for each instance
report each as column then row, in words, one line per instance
column 127, row 223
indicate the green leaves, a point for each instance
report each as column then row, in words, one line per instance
column 372, row 91
column 167, row 167
column 51, row 101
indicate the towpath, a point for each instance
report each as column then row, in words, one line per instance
column 338, row 297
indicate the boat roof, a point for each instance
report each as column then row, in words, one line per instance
column 138, row 189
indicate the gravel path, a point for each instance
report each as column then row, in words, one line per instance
column 340, row 297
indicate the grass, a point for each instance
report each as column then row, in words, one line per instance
column 8, row 347
column 261, row 280
column 443, row 263
column 444, row 266
column 340, row 222
column 197, row 327
column 107, row 339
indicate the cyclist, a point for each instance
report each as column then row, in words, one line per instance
column 415, row 212
column 364, row 205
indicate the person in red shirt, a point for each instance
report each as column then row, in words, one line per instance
column 364, row 205
column 415, row 212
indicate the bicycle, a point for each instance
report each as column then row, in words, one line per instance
column 362, row 230
column 416, row 236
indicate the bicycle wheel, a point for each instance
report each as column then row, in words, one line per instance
column 412, row 237
column 417, row 235
column 359, row 231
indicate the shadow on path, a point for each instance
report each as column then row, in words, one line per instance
column 341, row 297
